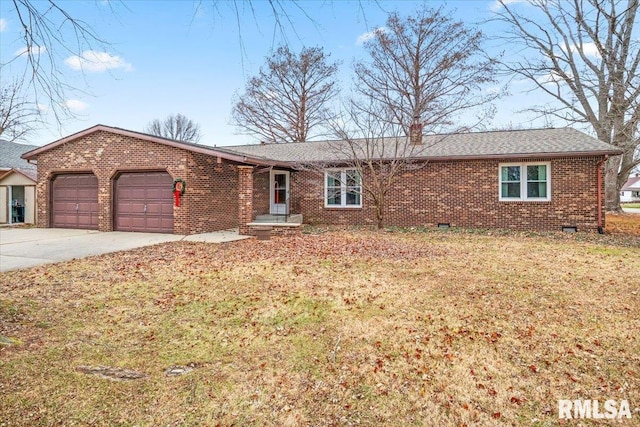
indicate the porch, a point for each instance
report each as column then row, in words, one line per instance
column 265, row 203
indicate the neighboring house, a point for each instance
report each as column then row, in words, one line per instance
column 108, row 178
column 17, row 184
column 630, row 192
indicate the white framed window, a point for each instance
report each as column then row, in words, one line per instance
column 342, row 188
column 525, row 181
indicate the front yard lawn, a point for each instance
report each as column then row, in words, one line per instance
column 623, row 223
column 336, row 328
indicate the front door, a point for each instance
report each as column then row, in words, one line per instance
column 279, row 192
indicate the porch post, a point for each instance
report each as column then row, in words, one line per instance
column 245, row 198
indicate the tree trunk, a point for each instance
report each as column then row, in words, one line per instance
column 379, row 216
column 611, row 185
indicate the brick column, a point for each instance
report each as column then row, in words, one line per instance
column 245, row 198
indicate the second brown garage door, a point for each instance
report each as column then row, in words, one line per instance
column 144, row 202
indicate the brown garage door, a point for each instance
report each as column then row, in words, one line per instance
column 144, row 202
column 74, row 201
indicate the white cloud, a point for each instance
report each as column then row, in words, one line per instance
column 3, row 24
column 43, row 108
column 365, row 37
column 589, row 49
column 93, row 61
column 76, row 105
column 35, row 50
column 497, row 5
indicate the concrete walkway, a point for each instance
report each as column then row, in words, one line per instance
column 631, row 210
column 28, row 247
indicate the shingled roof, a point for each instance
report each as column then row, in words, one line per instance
column 633, row 183
column 538, row 143
column 10, row 153
column 534, row 143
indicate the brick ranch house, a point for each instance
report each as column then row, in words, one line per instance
column 108, row 178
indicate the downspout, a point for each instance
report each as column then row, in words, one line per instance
column 599, row 184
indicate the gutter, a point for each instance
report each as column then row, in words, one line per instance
column 599, row 185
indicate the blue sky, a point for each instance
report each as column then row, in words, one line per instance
column 167, row 57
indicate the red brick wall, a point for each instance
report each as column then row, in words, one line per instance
column 261, row 182
column 464, row 194
column 210, row 200
column 213, row 194
column 245, row 198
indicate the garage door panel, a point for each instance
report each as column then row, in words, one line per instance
column 156, row 193
column 138, row 194
column 84, row 180
column 62, row 221
column 86, row 194
column 123, row 208
column 136, row 207
column 160, row 209
column 85, row 221
column 154, row 223
column 130, row 223
column 144, row 202
column 74, row 201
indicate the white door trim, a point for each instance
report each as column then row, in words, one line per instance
column 281, row 208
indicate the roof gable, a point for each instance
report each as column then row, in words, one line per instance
column 197, row 148
column 30, row 174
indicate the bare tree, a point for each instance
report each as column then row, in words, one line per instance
column 176, row 127
column 370, row 154
column 18, row 117
column 289, row 98
column 377, row 148
column 424, row 71
column 427, row 66
column 585, row 55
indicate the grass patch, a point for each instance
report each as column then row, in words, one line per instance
column 623, row 224
column 631, row 205
column 404, row 327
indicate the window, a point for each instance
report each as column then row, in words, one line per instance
column 342, row 189
column 525, row 181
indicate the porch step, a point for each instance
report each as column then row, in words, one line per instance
column 264, row 230
column 274, row 224
column 294, row 219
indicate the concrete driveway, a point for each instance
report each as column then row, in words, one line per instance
column 28, row 247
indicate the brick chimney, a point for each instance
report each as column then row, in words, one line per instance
column 415, row 131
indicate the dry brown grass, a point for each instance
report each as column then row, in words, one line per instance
column 339, row 328
column 623, row 223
